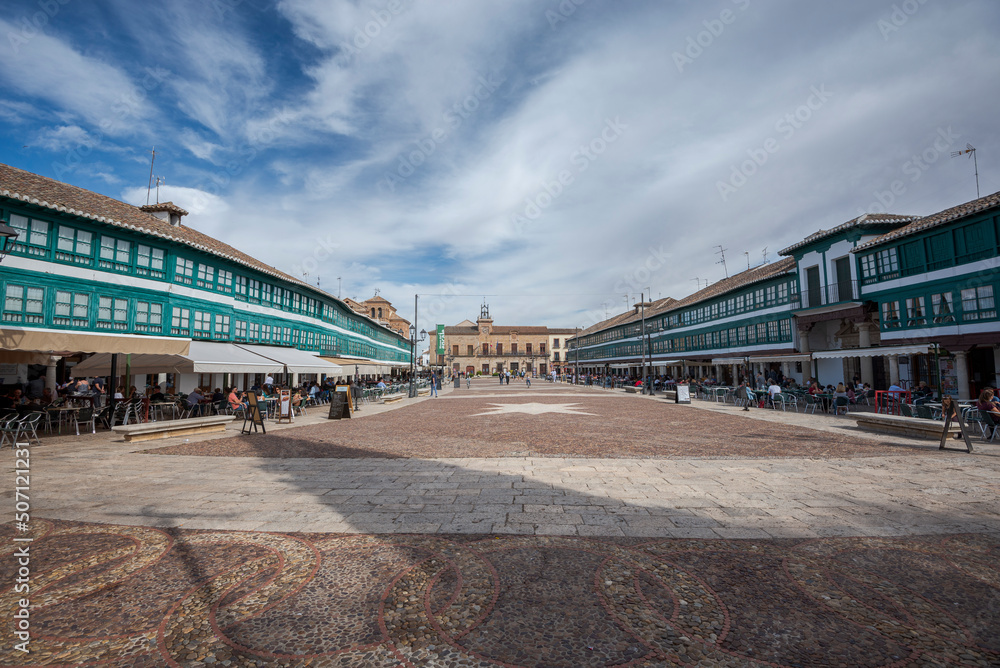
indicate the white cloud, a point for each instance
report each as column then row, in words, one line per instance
column 63, row 138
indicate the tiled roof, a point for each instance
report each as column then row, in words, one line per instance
column 935, row 220
column 164, row 206
column 866, row 221
column 632, row 315
column 740, row 280
column 18, row 184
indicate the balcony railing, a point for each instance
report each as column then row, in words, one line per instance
column 824, row 295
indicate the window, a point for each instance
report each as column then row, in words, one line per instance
column 761, row 332
column 486, row 349
column 471, row 351
column 783, row 293
column 224, row 281
column 150, row 261
column 454, row 350
column 184, row 271
column 241, row 287
column 221, row 326
column 943, row 308
column 739, row 303
column 296, row 301
column 555, row 343
column 890, row 315
column 513, row 349
column 241, row 329
column 23, row 304
column 202, row 323
column 541, row 349
column 148, row 317
column 915, row 312
column 286, row 335
column 868, row 267
column 74, row 245
column 71, row 308
column 555, row 355
column 115, row 254
column 180, row 323
column 253, row 291
column 887, row 262
column 772, row 331
column 253, row 332
column 978, row 304
column 265, row 333
column 265, row 293
column 32, row 235
column 112, row 313
column 785, row 327
column 499, row 349
column 772, row 294
column 206, row 276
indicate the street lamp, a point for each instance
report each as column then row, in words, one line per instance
column 357, row 387
column 7, row 237
column 413, row 357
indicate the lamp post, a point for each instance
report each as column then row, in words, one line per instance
column 7, row 237
column 357, row 387
column 576, row 351
column 413, row 357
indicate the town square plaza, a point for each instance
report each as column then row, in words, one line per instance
column 507, row 526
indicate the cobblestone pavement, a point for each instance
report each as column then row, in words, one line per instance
column 863, row 551
column 141, row 596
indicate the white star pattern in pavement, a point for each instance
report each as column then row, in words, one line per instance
column 533, row 409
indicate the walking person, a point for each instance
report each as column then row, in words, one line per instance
column 434, row 386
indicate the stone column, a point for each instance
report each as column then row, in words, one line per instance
column 786, row 369
column 736, row 374
column 50, row 374
column 295, row 380
column 865, row 341
column 962, row 374
column 894, row 369
column 804, row 340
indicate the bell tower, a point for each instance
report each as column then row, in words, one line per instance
column 485, row 322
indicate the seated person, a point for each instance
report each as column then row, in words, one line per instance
column 235, row 399
column 987, row 405
column 217, row 396
column 17, row 398
column 157, row 395
column 194, row 400
column 381, row 384
column 47, row 397
column 773, row 390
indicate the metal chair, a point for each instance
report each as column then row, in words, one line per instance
column 811, row 404
column 28, row 426
column 9, row 427
column 87, row 416
column 791, row 399
column 840, row 402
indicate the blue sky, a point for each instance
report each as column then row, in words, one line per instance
column 560, row 155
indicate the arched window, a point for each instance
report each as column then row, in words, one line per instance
column 380, row 314
column 373, row 311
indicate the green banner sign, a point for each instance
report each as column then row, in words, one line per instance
column 440, row 340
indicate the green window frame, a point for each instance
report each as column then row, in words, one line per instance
column 265, row 333
column 890, row 315
column 115, row 254
column 33, row 235
column 224, row 281
column 222, row 326
column 785, row 330
column 71, row 309
column 206, row 276
column 916, row 313
column 180, row 321
column 265, row 293
column 253, row 331
column 148, row 317
column 112, row 313
column 253, row 291
column 943, row 307
column 240, row 330
column 240, row 288
column 24, row 304
column 978, row 304
column 201, row 324
column 74, row 245
column 150, row 261
column 184, row 271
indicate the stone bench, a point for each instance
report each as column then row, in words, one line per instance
column 670, row 395
column 149, row 431
column 904, row 426
column 631, row 389
column 424, row 392
column 393, row 399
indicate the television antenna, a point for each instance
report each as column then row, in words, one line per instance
column 747, row 253
column 971, row 150
column 764, row 254
column 149, row 187
column 159, row 180
column 722, row 252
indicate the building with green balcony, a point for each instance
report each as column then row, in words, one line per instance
column 91, row 274
column 933, row 284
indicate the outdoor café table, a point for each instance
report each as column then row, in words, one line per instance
column 65, row 413
column 157, row 408
column 270, row 405
column 826, row 400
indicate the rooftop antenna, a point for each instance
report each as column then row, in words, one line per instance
column 159, row 180
column 970, row 149
column 338, row 287
column 764, row 253
column 747, row 253
column 150, row 186
column 697, row 282
column 722, row 252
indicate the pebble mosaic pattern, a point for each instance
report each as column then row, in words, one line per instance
column 136, row 597
column 618, row 426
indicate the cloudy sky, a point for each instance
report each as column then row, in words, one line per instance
column 551, row 156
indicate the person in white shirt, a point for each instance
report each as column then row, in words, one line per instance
column 773, row 390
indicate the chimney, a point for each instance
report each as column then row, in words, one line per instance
column 168, row 212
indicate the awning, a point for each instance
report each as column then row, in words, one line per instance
column 294, row 360
column 203, row 357
column 59, row 340
column 782, row 358
column 365, row 367
column 728, row 360
column 921, row 349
